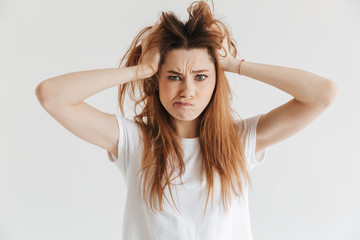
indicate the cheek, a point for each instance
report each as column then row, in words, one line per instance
column 166, row 91
column 208, row 90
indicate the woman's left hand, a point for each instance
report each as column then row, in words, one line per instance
column 225, row 58
column 227, row 61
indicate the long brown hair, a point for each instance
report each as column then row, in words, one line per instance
column 220, row 143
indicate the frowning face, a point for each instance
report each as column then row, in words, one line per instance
column 186, row 83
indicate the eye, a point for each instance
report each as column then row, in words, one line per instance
column 201, row 77
column 174, row 78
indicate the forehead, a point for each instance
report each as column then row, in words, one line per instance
column 194, row 58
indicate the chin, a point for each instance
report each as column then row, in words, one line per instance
column 184, row 118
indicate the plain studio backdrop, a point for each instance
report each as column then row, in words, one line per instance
column 54, row 185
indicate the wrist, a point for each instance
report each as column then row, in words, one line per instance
column 145, row 71
column 233, row 65
column 240, row 65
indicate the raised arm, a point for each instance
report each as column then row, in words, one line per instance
column 312, row 95
column 62, row 97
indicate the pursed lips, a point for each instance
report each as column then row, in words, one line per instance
column 183, row 104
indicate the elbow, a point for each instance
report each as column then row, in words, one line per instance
column 330, row 91
column 40, row 93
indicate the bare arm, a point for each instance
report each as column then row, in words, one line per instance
column 312, row 95
column 62, row 97
column 72, row 88
column 306, row 87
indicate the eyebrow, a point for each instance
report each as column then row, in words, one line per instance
column 195, row 71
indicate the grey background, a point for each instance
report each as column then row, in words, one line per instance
column 55, row 185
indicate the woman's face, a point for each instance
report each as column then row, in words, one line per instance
column 187, row 76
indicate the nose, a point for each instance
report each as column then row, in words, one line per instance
column 187, row 88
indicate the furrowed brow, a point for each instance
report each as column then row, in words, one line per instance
column 200, row 71
column 195, row 71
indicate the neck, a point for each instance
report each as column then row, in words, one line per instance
column 187, row 129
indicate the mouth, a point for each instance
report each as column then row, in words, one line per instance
column 182, row 104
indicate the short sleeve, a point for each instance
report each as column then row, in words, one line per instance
column 250, row 126
column 128, row 144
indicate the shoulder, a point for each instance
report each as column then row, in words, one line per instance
column 128, row 136
column 248, row 131
column 127, row 125
column 248, row 125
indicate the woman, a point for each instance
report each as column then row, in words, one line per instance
column 185, row 141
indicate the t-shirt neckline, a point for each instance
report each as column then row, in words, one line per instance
column 188, row 140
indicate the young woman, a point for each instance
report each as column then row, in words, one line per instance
column 185, row 143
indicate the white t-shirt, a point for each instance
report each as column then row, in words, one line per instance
column 140, row 222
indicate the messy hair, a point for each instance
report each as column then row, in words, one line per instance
column 221, row 147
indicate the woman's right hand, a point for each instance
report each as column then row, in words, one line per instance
column 151, row 57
